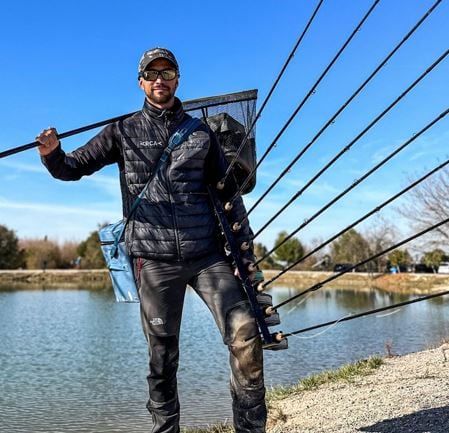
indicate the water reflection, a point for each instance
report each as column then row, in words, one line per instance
column 76, row 361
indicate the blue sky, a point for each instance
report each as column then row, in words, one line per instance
column 67, row 64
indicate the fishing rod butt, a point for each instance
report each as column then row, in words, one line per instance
column 270, row 315
column 244, row 246
column 251, row 267
column 278, row 342
column 236, row 227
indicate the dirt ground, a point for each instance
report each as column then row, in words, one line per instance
column 407, row 394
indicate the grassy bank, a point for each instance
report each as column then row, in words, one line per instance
column 346, row 373
column 92, row 279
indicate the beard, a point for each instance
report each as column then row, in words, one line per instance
column 163, row 98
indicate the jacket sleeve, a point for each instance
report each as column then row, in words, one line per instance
column 216, row 166
column 101, row 150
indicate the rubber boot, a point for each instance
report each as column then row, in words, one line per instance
column 165, row 416
column 249, row 409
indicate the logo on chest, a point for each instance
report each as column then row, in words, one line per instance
column 151, row 143
column 193, row 144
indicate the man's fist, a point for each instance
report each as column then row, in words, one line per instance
column 49, row 141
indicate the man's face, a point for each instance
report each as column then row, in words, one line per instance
column 160, row 92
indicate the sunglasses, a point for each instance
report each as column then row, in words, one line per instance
column 153, row 74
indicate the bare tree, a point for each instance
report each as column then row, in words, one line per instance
column 380, row 235
column 428, row 204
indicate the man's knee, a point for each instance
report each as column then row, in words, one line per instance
column 245, row 346
column 240, row 325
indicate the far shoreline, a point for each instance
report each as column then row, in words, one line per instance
column 98, row 279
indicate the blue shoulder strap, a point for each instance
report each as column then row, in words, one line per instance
column 188, row 126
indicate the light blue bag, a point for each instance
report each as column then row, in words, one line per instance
column 119, row 263
column 111, row 236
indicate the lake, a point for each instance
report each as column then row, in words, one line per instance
column 76, row 361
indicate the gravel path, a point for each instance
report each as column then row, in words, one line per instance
column 407, row 394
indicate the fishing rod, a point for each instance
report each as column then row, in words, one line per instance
column 363, row 262
column 358, row 181
column 301, row 104
column 190, row 105
column 264, row 103
column 348, row 146
column 364, row 217
column 27, row 146
column 366, row 313
column 343, row 107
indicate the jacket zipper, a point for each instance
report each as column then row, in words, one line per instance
column 172, row 204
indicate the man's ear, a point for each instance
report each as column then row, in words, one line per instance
column 141, row 83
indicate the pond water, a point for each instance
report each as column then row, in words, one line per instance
column 76, row 361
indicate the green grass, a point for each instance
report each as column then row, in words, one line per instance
column 346, row 373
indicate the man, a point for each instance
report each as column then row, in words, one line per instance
column 174, row 239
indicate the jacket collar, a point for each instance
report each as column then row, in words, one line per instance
column 175, row 113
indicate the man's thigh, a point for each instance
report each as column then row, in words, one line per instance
column 224, row 295
column 162, row 288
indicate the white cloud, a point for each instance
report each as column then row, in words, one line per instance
column 418, row 155
column 382, row 153
column 59, row 222
column 108, row 184
column 23, row 167
column 56, row 209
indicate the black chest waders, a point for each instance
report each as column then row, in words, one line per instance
column 261, row 303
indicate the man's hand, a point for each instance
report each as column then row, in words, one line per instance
column 49, row 141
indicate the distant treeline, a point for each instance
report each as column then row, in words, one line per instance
column 44, row 253
column 350, row 248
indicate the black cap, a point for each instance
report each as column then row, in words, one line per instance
column 156, row 53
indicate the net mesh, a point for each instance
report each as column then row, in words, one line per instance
column 230, row 117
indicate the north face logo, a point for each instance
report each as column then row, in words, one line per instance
column 157, row 321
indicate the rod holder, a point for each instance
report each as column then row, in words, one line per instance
column 273, row 320
column 228, row 206
column 220, row 185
